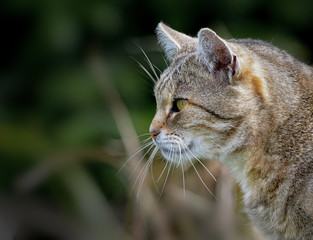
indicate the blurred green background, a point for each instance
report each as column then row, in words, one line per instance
column 73, row 100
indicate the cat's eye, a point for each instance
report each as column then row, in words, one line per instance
column 180, row 104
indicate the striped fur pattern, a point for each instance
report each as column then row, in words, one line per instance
column 250, row 106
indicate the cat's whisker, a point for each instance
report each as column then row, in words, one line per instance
column 137, row 167
column 137, row 179
column 182, row 170
column 171, row 153
column 142, row 177
column 179, row 161
column 153, row 67
column 141, row 160
column 211, row 174
column 162, row 172
column 150, row 63
column 146, row 71
column 146, row 168
column 206, row 187
column 176, row 157
column 153, row 179
column 138, row 151
column 200, row 162
column 166, row 178
column 143, row 142
column 157, row 69
column 166, row 63
column 144, row 134
column 184, row 184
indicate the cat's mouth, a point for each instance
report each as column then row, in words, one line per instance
column 178, row 153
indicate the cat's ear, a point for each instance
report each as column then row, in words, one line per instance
column 215, row 54
column 171, row 41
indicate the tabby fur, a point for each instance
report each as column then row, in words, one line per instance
column 250, row 106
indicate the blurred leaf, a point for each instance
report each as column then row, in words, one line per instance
column 70, row 86
column 23, row 140
column 86, row 128
column 104, row 18
column 91, row 205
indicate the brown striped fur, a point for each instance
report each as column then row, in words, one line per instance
column 250, row 107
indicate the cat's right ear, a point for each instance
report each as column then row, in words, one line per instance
column 171, row 41
column 215, row 53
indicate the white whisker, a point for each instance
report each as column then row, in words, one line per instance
column 140, row 160
column 153, row 179
column 145, row 134
column 168, row 172
column 200, row 163
column 171, row 153
column 162, row 171
column 146, row 71
column 146, row 140
column 180, row 160
column 206, row 187
column 184, row 184
column 157, row 69
column 149, row 62
column 140, row 173
column 152, row 67
column 146, row 167
column 166, row 63
column 182, row 170
column 142, row 177
column 138, row 151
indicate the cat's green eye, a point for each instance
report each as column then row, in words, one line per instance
column 181, row 104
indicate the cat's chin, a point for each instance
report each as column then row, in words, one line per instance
column 178, row 154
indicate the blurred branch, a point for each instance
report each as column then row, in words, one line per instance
column 225, row 210
column 118, row 109
column 147, row 201
column 194, row 202
column 44, row 169
column 92, row 206
column 18, row 215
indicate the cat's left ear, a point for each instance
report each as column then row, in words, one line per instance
column 215, row 54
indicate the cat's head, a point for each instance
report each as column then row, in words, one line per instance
column 201, row 101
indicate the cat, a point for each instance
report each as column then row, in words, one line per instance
column 249, row 105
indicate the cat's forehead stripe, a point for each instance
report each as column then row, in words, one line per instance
column 174, row 68
column 161, row 84
column 167, row 76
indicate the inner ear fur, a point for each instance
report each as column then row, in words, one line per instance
column 171, row 40
column 215, row 54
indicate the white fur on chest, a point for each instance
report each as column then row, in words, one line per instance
column 271, row 215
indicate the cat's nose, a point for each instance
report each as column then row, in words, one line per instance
column 154, row 133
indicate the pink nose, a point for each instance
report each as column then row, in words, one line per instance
column 154, row 133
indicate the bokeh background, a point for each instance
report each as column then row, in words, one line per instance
column 73, row 100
